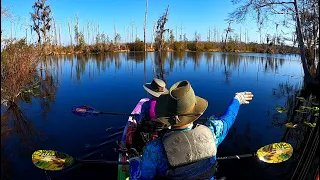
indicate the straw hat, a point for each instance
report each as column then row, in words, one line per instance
column 156, row 87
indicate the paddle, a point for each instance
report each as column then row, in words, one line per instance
column 90, row 111
column 51, row 160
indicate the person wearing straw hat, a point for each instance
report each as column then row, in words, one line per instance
column 187, row 150
column 155, row 89
column 147, row 121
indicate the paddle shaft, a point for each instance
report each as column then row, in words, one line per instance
column 236, row 156
column 89, row 110
column 100, row 161
column 125, row 114
column 123, row 162
column 117, row 114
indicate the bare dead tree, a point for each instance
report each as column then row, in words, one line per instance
column 55, row 33
column 240, row 34
column 132, row 25
column 153, row 33
column 5, row 12
column 88, row 30
column 181, row 28
column 136, row 34
column 209, row 34
column 76, row 30
column 27, row 26
column 70, row 31
column 228, row 30
column 145, row 27
column 60, row 41
column 161, row 30
column 215, row 34
column 41, row 19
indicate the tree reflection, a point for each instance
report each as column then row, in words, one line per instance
column 82, row 64
column 303, row 136
column 15, row 122
column 138, row 57
column 160, row 58
column 196, row 57
column 181, row 58
column 226, row 71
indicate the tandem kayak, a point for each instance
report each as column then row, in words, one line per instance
column 126, row 141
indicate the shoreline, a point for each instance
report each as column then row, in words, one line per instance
column 128, row 51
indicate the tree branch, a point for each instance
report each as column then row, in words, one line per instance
column 273, row 3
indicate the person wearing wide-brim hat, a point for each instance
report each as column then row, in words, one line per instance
column 146, row 120
column 155, row 89
column 187, row 151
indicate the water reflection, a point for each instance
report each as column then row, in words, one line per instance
column 112, row 82
column 230, row 62
column 19, row 137
column 302, row 137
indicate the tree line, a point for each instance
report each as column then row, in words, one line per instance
column 299, row 15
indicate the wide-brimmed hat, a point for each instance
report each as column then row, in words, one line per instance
column 180, row 106
column 156, row 87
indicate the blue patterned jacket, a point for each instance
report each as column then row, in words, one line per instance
column 154, row 161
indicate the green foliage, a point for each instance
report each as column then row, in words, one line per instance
column 12, row 46
column 81, row 42
column 18, row 68
column 208, row 46
column 171, row 38
column 76, row 34
column 179, row 46
column 191, row 46
column 117, row 38
column 136, row 46
column 231, row 46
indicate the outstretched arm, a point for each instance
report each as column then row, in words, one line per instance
column 220, row 126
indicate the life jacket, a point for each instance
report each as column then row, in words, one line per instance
column 190, row 154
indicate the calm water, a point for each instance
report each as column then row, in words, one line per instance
column 113, row 83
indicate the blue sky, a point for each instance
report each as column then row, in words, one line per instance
column 190, row 14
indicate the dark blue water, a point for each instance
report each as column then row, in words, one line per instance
column 113, row 83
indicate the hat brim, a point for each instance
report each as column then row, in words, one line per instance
column 148, row 88
column 162, row 114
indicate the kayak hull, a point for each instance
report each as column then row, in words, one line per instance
column 127, row 136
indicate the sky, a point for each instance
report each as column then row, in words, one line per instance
column 191, row 15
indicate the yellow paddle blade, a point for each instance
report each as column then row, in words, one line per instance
column 275, row 153
column 281, row 109
column 310, row 124
column 51, row 160
column 291, row 125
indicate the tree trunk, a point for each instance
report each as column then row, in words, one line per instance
column 153, row 30
column 307, row 76
column 70, row 32
column 145, row 26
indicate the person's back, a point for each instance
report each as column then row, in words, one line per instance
column 147, row 123
column 155, row 89
column 187, row 151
